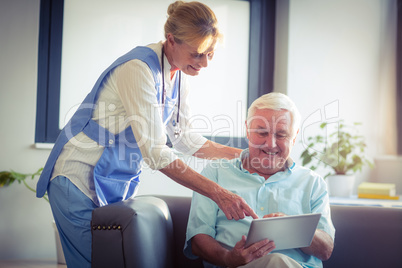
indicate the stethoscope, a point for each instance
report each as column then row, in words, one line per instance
column 175, row 123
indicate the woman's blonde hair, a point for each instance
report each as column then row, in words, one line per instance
column 193, row 23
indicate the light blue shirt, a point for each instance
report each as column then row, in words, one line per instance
column 295, row 191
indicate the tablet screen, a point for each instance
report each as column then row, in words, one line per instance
column 287, row 231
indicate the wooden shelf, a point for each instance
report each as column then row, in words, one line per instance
column 354, row 201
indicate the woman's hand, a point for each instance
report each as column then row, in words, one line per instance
column 240, row 255
column 233, row 205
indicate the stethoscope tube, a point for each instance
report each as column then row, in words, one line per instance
column 177, row 130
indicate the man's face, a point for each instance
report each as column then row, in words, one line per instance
column 270, row 141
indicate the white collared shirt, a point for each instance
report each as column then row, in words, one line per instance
column 128, row 98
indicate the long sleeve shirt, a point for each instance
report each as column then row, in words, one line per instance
column 129, row 98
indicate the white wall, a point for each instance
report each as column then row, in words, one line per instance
column 340, row 64
column 25, row 221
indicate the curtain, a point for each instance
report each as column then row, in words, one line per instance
column 262, row 48
column 388, row 82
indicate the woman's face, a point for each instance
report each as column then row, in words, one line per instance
column 186, row 58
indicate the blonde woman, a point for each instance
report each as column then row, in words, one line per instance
column 97, row 158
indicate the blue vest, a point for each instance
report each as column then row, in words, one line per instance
column 116, row 174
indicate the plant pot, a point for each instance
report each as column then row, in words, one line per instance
column 340, row 185
column 59, row 249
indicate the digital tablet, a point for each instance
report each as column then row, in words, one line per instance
column 287, row 231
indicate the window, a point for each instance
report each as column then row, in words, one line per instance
column 69, row 58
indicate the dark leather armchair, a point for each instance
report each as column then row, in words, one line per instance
column 133, row 233
column 148, row 231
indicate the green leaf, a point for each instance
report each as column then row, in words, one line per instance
column 9, row 177
column 6, row 178
column 306, row 160
column 304, row 154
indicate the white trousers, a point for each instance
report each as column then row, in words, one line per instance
column 273, row 260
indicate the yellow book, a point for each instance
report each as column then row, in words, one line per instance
column 378, row 196
column 385, row 189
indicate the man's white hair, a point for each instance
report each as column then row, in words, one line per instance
column 276, row 101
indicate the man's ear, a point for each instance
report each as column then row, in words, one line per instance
column 294, row 139
column 245, row 122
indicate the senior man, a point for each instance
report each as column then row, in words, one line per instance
column 272, row 184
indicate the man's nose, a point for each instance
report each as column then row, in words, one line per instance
column 270, row 141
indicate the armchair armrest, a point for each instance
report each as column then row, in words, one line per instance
column 132, row 233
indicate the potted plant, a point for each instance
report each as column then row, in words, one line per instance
column 342, row 151
column 9, row 177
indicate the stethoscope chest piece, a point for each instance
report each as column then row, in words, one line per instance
column 175, row 121
column 177, row 132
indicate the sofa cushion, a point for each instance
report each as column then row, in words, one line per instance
column 179, row 210
column 366, row 237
